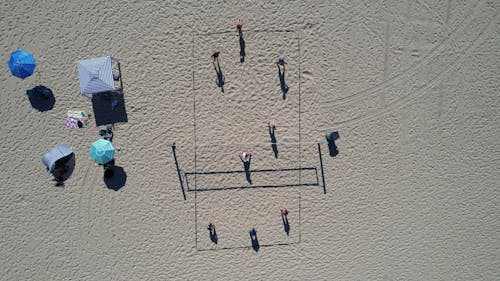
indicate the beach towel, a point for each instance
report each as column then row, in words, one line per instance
column 77, row 114
column 71, row 122
column 73, row 116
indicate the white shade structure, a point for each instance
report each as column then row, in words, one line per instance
column 56, row 154
column 96, row 75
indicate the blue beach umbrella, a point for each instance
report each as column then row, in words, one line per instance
column 102, row 151
column 22, row 64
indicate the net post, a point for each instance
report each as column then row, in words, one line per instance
column 178, row 170
column 321, row 164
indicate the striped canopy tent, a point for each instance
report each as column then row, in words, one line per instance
column 96, row 75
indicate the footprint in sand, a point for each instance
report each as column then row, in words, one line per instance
column 307, row 75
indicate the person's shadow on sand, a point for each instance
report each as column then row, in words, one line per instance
column 255, row 241
column 242, row 47
column 213, row 233
column 286, row 224
column 284, row 87
column 274, row 142
column 246, row 165
column 220, row 77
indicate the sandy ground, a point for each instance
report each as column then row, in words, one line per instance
column 411, row 87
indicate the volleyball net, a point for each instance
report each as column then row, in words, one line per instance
column 211, row 167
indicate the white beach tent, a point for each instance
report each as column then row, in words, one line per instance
column 96, row 75
column 57, row 153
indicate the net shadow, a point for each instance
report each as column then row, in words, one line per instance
column 277, row 178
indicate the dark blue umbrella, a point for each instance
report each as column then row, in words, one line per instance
column 22, row 64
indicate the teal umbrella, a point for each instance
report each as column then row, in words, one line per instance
column 102, row 151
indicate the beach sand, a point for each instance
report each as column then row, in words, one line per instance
column 410, row 86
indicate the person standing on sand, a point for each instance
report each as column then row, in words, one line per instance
column 272, row 127
column 213, row 233
column 61, row 169
column 218, row 71
column 281, row 61
column 211, row 228
column 245, row 156
column 239, row 25
column 284, row 218
column 215, row 56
